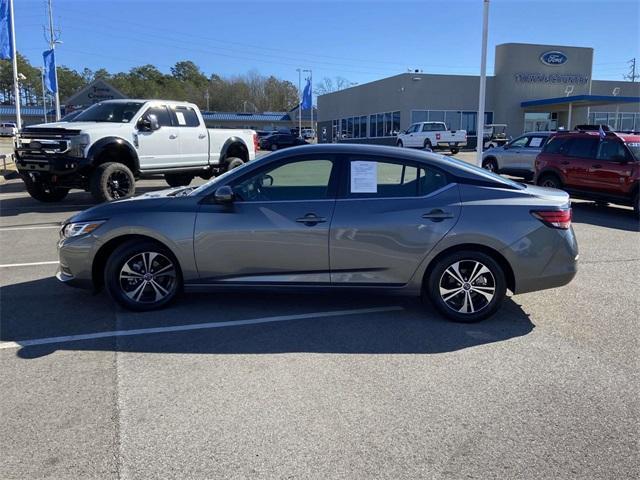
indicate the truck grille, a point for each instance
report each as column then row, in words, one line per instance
column 35, row 142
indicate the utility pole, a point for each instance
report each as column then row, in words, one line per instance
column 14, row 58
column 632, row 75
column 483, row 83
column 53, row 39
column 206, row 96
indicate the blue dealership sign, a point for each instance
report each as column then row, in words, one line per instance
column 553, row 58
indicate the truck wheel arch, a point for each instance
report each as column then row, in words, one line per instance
column 234, row 147
column 119, row 150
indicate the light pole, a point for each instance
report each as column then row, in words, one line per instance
column 483, row 83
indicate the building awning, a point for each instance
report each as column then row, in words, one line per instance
column 558, row 103
column 246, row 117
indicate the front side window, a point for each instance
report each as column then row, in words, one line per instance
column 611, row 150
column 389, row 179
column 582, row 147
column 519, row 142
column 185, row 117
column 161, row 113
column 114, row 112
column 295, row 180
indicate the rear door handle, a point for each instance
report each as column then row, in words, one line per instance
column 596, row 166
column 437, row 215
column 311, row 219
column 565, row 163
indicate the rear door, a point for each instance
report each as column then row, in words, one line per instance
column 388, row 216
column 511, row 153
column 528, row 154
column 192, row 136
column 579, row 158
column 277, row 229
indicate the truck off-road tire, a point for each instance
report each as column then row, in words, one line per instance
column 427, row 145
column 178, row 179
column 549, row 180
column 44, row 193
column 112, row 181
column 234, row 162
column 454, row 151
column 466, row 286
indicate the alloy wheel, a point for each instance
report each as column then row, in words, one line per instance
column 148, row 277
column 118, row 185
column 467, row 286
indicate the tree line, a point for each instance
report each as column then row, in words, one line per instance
column 185, row 82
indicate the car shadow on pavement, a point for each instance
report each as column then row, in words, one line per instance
column 619, row 218
column 412, row 329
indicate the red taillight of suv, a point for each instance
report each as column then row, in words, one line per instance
column 256, row 144
column 554, row 218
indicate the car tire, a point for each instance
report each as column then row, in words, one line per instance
column 427, row 145
column 455, row 151
column 477, row 297
column 400, row 144
column 490, row 164
column 549, row 180
column 636, row 205
column 234, row 162
column 43, row 193
column 178, row 179
column 112, row 181
column 273, row 147
column 130, row 280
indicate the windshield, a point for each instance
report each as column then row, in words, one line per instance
column 635, row 149
column 220, row 178
column 484, row 173
column 115, row 112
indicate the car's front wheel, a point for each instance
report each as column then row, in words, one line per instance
column 491, row 165
column 466, row 286
column 142, row 275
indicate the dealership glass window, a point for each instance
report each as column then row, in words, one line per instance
column 350, row 127
column 387, row 124
column 452, row 119
column 419, row 116
column 380, row 125
column 363, row 127
column 343, row 127
column 436, row 116
column 356, row 128
column 469, row 121
column 372, row 125
column 395, row 127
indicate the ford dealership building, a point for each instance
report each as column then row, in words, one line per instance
column 534, row 88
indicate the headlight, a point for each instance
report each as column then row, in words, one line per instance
column 78, row 144
column 78, row 229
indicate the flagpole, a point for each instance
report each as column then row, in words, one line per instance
column 483, row 83
column 16, row 85
column 52, row 46
column 44, row 95
column 299, row 101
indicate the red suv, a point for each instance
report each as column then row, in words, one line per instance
column 604, row 167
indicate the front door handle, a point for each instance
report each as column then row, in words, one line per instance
column 437, row 215
column 311, row 219
column 596, row 166
column 172, row 136
column 201, row 136
column 565, row 162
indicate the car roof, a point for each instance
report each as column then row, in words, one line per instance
column 453, row 166
column 625, row 137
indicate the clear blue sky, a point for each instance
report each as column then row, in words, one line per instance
column 359, row 40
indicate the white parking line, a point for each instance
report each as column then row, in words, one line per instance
column 195, row 326
column 30, row 264
column 42, row 227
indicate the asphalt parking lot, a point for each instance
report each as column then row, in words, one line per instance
column 316, row 386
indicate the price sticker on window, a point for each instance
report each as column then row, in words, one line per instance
column 364, row 177
column 535, row 142
column 181, row 119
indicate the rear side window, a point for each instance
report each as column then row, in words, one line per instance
column 536, row 142
column 555, row 145
column 582, row 147
column 185, row 117
column 387, row 179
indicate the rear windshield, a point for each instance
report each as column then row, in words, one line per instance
column 635, row 149
column 116, row 112
column 493, row 177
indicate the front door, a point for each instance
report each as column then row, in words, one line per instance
column 158, row 148
column 390, row 215
column 277, row 229
column 580, row 158
column 512, row 156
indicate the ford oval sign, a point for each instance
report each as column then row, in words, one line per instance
column 553, row 58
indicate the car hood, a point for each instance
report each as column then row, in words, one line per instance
column 145, row 202
column 84, row 126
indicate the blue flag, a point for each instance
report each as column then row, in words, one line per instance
column 5, row 30
column 601, row 133
column 306, row 96
column 49, row 57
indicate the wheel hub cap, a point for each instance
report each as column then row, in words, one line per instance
column 467, row 286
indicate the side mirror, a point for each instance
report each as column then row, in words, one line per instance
column 148, row 123
column 223, row 194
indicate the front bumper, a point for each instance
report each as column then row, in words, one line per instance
column 76, row 257
column 61, row 165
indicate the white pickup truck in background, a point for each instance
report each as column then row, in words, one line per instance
column 112, row 143
column 432, row 135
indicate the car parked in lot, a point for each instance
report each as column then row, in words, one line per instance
column 8, row 129
column 432, row 136
column 517, row 157
column 604, row 167
column 110, row 144
column 333, row 216
column 277, row 141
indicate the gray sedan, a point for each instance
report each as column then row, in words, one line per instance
column 517, row 157
column 337, row 216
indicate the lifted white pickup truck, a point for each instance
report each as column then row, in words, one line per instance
column 432, row 135
column 108, row 146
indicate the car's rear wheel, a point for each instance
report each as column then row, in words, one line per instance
column 454, row 151
column 466, row 286
column 178, row 179
column 549, row 180
column 427, row 145
column 142, row 275
column 234, row 162
column 274, row 147
column 491, row 165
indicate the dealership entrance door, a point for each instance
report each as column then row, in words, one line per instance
column 540, row 121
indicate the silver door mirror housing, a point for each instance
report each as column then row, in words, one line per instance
column 224, row 194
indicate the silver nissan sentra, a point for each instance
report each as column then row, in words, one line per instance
column 331, row 216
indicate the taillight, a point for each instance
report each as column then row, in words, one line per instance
column 256, row 145
column 554, row 218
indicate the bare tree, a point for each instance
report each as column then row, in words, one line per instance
column 328, row 85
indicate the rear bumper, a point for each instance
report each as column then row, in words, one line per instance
column 455, row 144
